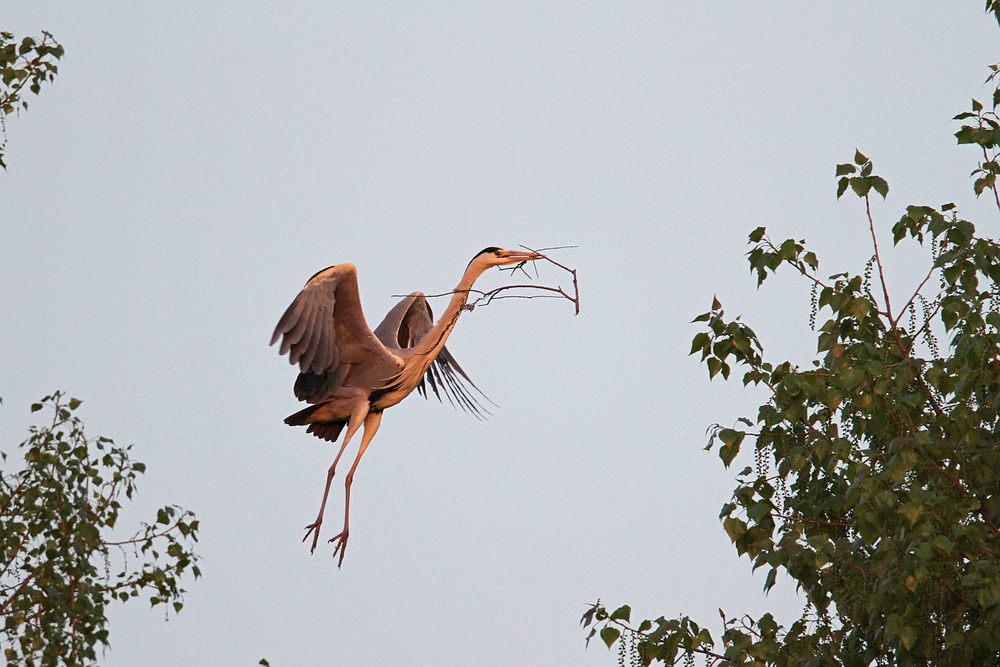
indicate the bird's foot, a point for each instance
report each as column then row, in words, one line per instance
column 341, row 546
column 313, row 529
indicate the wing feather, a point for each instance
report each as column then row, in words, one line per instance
column 324, row 331
column 297, row 340
column 404, row 326
column 303, row 315
column 326, row 349
column 310, row 341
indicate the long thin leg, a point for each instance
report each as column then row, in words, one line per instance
column 357, row 418
column 313, row 528
column 371, row 427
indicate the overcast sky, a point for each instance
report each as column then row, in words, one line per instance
column 195, row 163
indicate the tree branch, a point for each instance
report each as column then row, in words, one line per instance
column 996, row 195
column 485, row 298
column 878, row 258
column 137, row 540
column 17, row 591
column 628, row 628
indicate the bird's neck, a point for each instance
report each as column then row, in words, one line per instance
column 435, row 339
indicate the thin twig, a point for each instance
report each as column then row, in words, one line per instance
column 996, row 195
column 878, row 258
column 916, row 293
column 485, row 298
column 18, row 590
column 13, row 494
column 703, row 651
column 145, row 538
column 576, row 285
column 798, row 264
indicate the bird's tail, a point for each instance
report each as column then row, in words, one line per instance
column 329, row 430
column 301, row 417
column 314, row 388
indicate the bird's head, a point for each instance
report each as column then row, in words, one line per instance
column 493, row 256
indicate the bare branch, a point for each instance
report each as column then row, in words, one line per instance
column 485, row 298
column 878, row 260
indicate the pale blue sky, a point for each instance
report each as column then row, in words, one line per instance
column 194, row 163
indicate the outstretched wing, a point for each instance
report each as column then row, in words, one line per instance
column 406, row 323
column 403, row 327
column 449, row 376
column 324, row 331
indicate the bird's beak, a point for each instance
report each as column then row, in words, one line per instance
column 515, row 256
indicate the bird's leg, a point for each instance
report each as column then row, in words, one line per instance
column 371, row 427
column 357, row 418
column 313, row 528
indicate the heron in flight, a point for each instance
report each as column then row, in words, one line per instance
column 349, row 374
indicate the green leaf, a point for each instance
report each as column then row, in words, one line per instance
column 772, row 577
column 861, row 185
column 735, row 528
column 859, row 159
column 844, row 169
column 943, row 544
column 880, row 186
column 759, row 510
column 609, row 635
column 622, row 613
column 732, row 437
column 699, row 342
column 908, row 636
column 728, row 453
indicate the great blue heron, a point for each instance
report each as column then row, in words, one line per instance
column 350, row 374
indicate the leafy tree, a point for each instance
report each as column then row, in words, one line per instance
column 876, row 481
column 30, row 62
column 60, row 563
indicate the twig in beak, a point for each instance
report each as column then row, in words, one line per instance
column 485, row 298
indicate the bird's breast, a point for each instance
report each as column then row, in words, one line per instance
column 399, row 387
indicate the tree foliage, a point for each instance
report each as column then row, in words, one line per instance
column 60, row 564
column 876, row 476
column 30, row 62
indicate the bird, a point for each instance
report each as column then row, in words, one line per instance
column 349, row 374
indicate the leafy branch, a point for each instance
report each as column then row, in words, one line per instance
column 57, row 512
column 29, row 63
column 875, row 484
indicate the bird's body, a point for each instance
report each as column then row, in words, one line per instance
column 350, row 374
